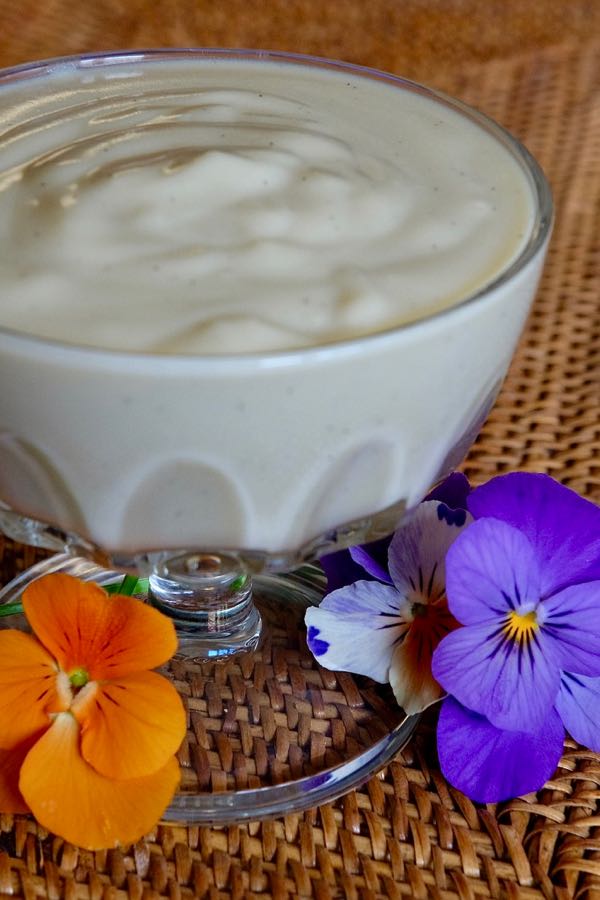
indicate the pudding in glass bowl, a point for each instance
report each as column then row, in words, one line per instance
column 253, row 306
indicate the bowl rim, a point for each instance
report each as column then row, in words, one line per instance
column 534, row 246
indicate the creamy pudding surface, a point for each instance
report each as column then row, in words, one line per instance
column 227, row 207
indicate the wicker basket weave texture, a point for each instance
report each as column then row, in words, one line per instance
column 406, row 833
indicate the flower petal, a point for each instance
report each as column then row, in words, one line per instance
column 410, row 676
column 69, row 798
column 490, row 570
column 418, row 551
column 355, row 629
column 28, row 687
column 130, row 726
column 81, row 625
column 513, row 685
column 453, row 491
column 11, row 799
column 365, row 597
column 340, row 569
column 347, row 566
column 490, row 765
column 562, row 527
column 578, row 705
column 373, row 559
column 572, row 626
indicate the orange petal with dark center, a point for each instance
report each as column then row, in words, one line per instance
column 69, row 798
column 28, row 688
column 83, row 627
column 410, row 676
column 414, row 687
column 130, row 726
column 11, row 799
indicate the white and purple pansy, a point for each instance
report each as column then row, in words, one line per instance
column 387, row 624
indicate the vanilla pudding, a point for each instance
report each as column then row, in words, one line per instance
column 248, row 299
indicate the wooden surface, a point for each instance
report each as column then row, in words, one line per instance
column 535, row 66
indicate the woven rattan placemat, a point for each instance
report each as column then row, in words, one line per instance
column 536, row 68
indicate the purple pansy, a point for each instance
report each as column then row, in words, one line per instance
column 524, row 581
column 489, row 764
column 386, row 624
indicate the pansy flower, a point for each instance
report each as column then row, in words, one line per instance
column 87, row 732
column 524, row 581
column 387, row 624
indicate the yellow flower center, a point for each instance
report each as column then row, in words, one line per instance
column 521, row 627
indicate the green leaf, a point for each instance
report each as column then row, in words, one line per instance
column 11, row 609
column 239, row 583
column 129, row 586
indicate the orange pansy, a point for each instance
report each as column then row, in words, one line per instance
column 11, row 799
column 141, row 712
column 96, row 732
column 73, row 800
column 29, row 684
column 81, row 625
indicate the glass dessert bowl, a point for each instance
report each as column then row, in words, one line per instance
column 364, row 252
